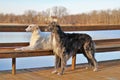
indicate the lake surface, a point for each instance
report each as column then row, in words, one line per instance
column 45, row 61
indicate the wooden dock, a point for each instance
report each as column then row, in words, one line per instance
column 108, row 70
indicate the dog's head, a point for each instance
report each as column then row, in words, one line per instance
column 32, row 28
column 52, row 27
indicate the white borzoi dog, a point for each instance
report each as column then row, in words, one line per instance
column 39, row 40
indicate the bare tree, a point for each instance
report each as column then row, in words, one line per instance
column 30, row 14
column 59, row 11
column 94, row 17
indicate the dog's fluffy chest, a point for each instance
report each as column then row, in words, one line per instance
column 35, row 36
column 55, row 45
column 54, row 42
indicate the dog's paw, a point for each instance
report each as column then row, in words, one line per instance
column 54, row 72
column 59, row 74
column 86, row 67
column 95, row 69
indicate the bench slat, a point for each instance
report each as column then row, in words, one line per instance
column 9, row 52
column 97, row 42
column 104, row 42
column 13, row 44
column 21, row 28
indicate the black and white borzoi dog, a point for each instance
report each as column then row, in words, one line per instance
column 66, row 45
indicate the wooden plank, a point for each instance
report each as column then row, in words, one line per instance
column 13, row 66
column 89, row 27
column 107, row 41
column 97, row 42
column 12, row 28
column 16, row 28
column 73, row 62
column 107, row 49
column 14, row 44
column 10, row 53
column 21, row 28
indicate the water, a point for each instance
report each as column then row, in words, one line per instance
column 45, row 61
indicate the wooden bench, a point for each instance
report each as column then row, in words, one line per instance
column 7, row 49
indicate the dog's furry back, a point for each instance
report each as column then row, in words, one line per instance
column 76, row 41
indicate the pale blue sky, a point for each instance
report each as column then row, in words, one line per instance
column 73, row 6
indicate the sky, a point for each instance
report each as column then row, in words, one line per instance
column 73, row 6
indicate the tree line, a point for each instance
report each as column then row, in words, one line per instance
column 93, row 17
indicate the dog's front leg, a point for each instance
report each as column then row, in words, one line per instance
column 63, row 65
column 57, row 63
